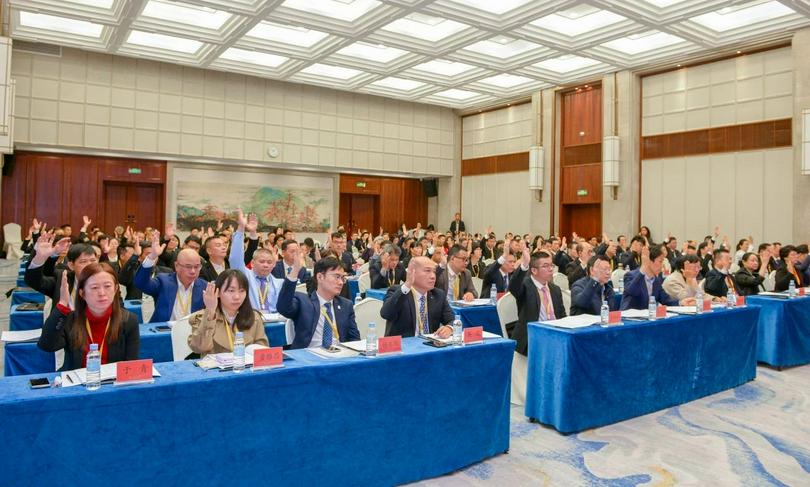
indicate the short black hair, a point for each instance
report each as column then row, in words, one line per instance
column 763, row 246
column 287, row 243
column 309, row 242
column 537, row 256
column 785, row 251
column 326, row 264
column 656, row 251
column 593, row 260
column 718, row 253
column 192, row 238
column 640, row 239
column 337, row 235
column 455, row 249
column 682, row 260
column 702, row 245
column 802, row 248
column 77, row 250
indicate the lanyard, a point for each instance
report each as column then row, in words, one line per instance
column 331, row 323
column 103, row 338
column 391, row 277
column 183, row 305
column 263, row 295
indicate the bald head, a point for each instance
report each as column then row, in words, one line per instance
column 187, row 266
column 423, row 271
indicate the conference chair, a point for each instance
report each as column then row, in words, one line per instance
column 12, row 238
column 180, row 333
column 769, row 283
column 617, row 277
column 508, row 313
column 478, row 284
column 363, row 268
column 566, row 295
column 301, row 288
column 368, row 311
column 364, row 282
column 561, row 280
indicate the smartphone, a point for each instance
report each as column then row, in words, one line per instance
column 39, row 383
column 434, row 343
column 163, row 328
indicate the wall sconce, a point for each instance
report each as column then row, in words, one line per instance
column 537, row 156
column 610, row 162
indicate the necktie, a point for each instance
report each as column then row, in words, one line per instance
column 456, row 287
column 289, row 269
column 423, row 316
column 730, row 284
column 262, row 293
column 326, row 342
column 549, row 308
column 450, row 284
column 506, row 281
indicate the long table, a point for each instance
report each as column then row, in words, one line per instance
column 26, row 295
column 783, row 331
column 589, row 377
column 28, row 358
column 357, row 421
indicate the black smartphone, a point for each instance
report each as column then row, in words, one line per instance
column 434, row 343
column 39, row 383
column 163, row 328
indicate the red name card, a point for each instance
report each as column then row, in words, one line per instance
column 661, row 311
column 474, row 334
column 134, row 370
column 801, row 291
column 500, row 295
column 614, row 317
column 707, row 305
column 389, row 345
column 268, row 357
column 740, row 300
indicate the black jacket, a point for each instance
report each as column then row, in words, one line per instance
column 528, row 302
column 400, row 315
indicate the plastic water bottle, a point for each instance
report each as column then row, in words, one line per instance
column 93, row 375
column 493, row 295
column 730, row 298
column 620, row 287
column 358, row 299
column 371, row 340
column 651, row 308
column 792, row 289
column 239, row 353
column 457, row 330
column 699, row 301
column 604, row 313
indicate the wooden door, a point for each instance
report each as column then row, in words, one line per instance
column 364, row 213
column 586, row 220
column 138, row 205
column 115, row 206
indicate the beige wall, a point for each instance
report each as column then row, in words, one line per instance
column 745, row 192
column 504, row 131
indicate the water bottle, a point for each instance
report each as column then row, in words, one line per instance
column 604, row 313
column 730, row 298
column 358, row 299
column 371, row 340
column 792, row 289
column 239, row 352
column 699, row 301
column 493, row 295
column 457, row 330
column 93, row 374
column 651, row 308
column 620, row 287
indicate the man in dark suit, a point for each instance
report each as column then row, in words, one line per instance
column 453, row 277
column 177, row 294
column 498, row 273
column 537, row 297
column 457, row 225
column 488, row 247
column 588, row 293
column 387, row 270
column 673, row 254
column 216, row 249
column 632, row 258
column 787, row 271
column 338, row 245
column 576, row 269
column 719, row 279
column 645, row 281
column 321, row 317
column 417, row 307
column 289, row 255
column 79, row 256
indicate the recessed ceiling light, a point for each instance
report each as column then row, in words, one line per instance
column 572, row 24
column 456, row 94
column 253, row 57
column 505, row 80
column 503, row 47
column 287, row 34
column 105, row 4
column 61, row 24
column 398, row 84
column 372, row 52
column 345, row 10
column 734, row 17
column 163, row 42
column 566, row 64
column 639, row 43
column 330, row 71
column 498, row 7
column 444, row 68
column 425, row 27
column 664, row 3
column 182, row 13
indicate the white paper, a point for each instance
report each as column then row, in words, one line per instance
column 682, row 310
column 21, row 336
column 341, row 353
column 108, row 372
column 432, row 336
column 578, row 321
column 357, row 345
column 475, row 302
column 271, row 317
column 641, row 314
column 773, row 294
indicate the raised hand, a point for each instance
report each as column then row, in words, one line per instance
column 169, row 233
column 385, row 258
column 64, row 291
column 105, row 247
column 564, row 243
column 241, row 219
column 219, row 225
column 211, row 297
column 157, row 248
column 410, row 275
column 128, row 233
column 645, row 256
column 136, row 246
column 86, row 222
column 525, row 255
column 35, row 225
column 296, row 266
column 252, row 224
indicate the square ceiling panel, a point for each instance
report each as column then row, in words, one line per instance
column 577, row 26
column 187, row 20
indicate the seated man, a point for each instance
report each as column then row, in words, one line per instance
column 264, row 288
column 417, row 307
column 177, row 294
column 719, row 279
column 290, row 252
column 538, row 298
column 786, row 272
column 576, row 269
column 216, row 248
column 387, row 271
column 588, row 292
column 321, row 317
column 646, row 281
column 453, row 277
column 498, row 273
column 632, row 258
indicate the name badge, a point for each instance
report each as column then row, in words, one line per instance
column 133, row 371
column 661, row 311
column 386, row 345
column 474, row 334
column 268, row 358
column 614, row 317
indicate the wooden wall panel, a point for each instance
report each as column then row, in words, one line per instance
column 415, row 204
column 733, row 138
column 582, row 112
column 582, row 177
column 400, row 200
column 516, row 162
column 392, row 207
column 582, row 154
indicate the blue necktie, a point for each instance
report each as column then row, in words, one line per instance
column 423, row 316
column 506, row 281
column 262, row 292
column 289, row 269
column 326, row 342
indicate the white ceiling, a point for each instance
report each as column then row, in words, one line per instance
column 456, row 53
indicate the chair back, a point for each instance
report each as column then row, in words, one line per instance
column 368, row 311
column 617, row 277
column 561, row 280
column 770, row 281
column 478, row 284
column 507, row 312
column 364, row 282
column 180, row 333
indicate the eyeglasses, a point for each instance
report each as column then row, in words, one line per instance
column 190, row 267
column 339, row 277
column 544, row 266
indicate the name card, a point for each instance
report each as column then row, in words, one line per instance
column 474, row 334
column 661, row 311
column 801, row 291
column 266, row 358
column 387, row 345
column 740, row 301
column 134, row 371
column 500, row 295
column 707, row 305
column 614, row 317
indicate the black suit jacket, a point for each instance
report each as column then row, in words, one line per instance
column 457, row 226
column 716, row 283
column 56, row 336
column 528, row 302
column 748, row 283
column 575, row 272
column 348, row 261
column 781, row 279
column 561, row 259
column 492, row 275
column 631, row 261
column 399, row 311
column 465, row 284
column 587, row 294
column 379, row 281
column 208, row 273
column 49, row 286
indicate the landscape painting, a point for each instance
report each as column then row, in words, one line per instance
column 203, row 204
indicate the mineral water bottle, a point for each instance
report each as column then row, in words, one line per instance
column 620, row 287
column 730, row 298
column 239, row 352
column 371, row 340
column 93, row 374
column 699, row 301
column 457, row 330
column 358, row 299
column 651, row 308
column 604, row 313
column 493, row 295
column 792, row 289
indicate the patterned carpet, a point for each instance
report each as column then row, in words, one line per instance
column 755, row 435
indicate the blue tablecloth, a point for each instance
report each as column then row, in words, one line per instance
column 21, row 282
column 589, row 377
column 27, row 358
column 25, row 320
column 376, row 294
column 134, row 306
column 783, row 331
column 26, row 295
column 357, row 421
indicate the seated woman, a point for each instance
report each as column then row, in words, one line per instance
column 226, row 311
column 682, row 283
column 98, row 318
column 751, row 274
